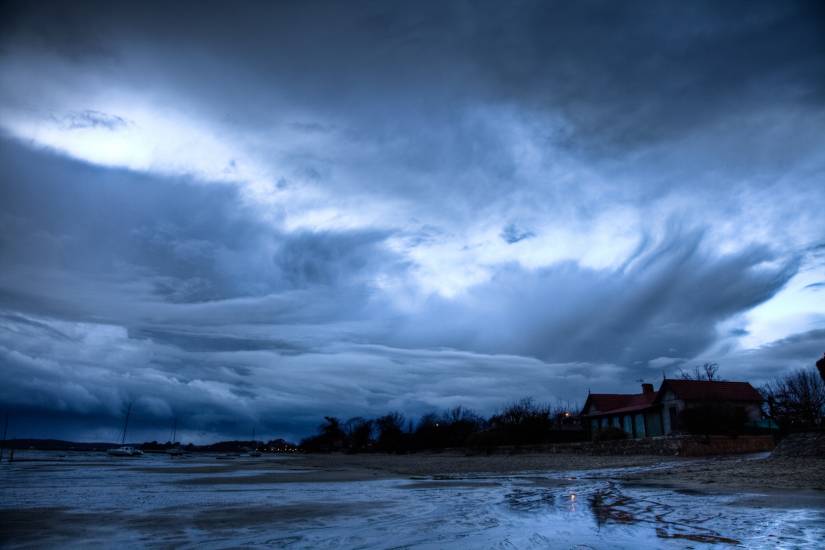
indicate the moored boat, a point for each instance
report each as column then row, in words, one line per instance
column 125, row 450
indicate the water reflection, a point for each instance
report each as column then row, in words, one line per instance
column 610, row 504
column 606, row 513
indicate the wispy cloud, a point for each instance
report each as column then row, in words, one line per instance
column 90, row 119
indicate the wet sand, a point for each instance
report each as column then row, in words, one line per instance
column 728, row 474
column 430, row 500
column 322, row 468
column 64, row 524
column 450, row 464
column 738, row 474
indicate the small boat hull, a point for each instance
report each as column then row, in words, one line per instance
column 124, row 451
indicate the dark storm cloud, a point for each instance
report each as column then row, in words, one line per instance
column 805, row 347
column 118, row 338
column 103, row 274
column 778, row 358
column 169, row 241
column 408, row 81
column 99, row 368
column 117, row 228
column 430, row 123
column 666, row 302
column 311, row 259
column 204, row 342
column 625, row 72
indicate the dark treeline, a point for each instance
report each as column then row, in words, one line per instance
column 275, row 446
column 235, row 446
column 522, row 423
column 229, row 446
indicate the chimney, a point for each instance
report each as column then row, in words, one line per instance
column 647, row 388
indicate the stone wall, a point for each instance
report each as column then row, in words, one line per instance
column 700, row 446
column 669, row 446
column 809, row 444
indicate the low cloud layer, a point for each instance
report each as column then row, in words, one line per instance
column 261, row 217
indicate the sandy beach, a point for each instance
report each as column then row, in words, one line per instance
column 424, row 500
column 714, row 474
column 738, row 474
column 728, row 474
column 457, row 463
column 362, row 467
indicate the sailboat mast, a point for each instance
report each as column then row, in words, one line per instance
column 5, row 429
column 126, row 424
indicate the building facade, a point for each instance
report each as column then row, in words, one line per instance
column 666, row 411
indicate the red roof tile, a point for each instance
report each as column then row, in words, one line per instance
column 689, row 390
column 703, row 390
column 601, row 403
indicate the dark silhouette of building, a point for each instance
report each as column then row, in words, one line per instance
column 668, row 410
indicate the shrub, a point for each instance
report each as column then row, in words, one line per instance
column 609, row 433
column 523, row 423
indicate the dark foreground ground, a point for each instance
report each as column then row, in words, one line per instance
column 412, row 501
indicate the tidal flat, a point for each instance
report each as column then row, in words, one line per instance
column 414, row 501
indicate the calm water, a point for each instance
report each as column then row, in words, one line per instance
column 85, row 500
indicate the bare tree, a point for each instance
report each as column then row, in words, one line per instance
column 331, row 428
column 708, row 372
column 796, row 400
column 390, row 429
column 330, row 436
column 359, row 432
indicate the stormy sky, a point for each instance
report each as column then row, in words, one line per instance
column 255, row 214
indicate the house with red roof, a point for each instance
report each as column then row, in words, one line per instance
column 663, row 412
